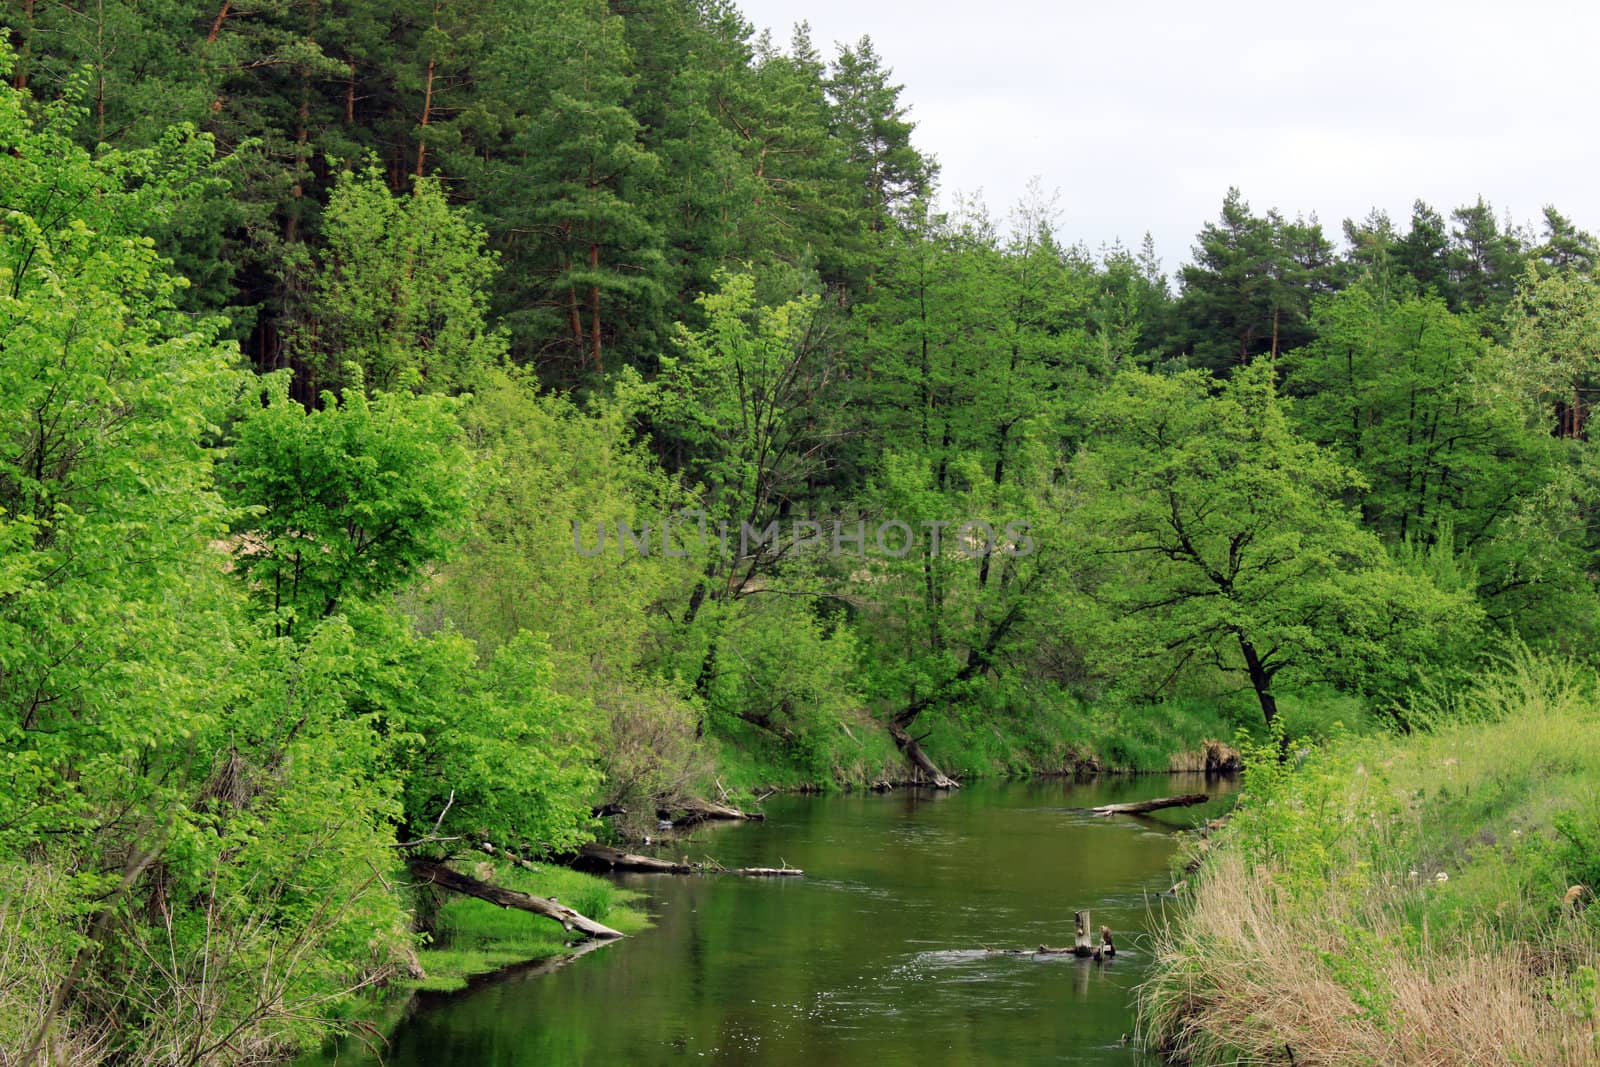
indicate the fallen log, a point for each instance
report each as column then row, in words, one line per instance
column 1157, row 804
column 445, row 878
column 1081, row 947
column 595, row 856
column 912, row 750
column 694, row 810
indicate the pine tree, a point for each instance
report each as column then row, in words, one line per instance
column 585, row 253
column 875, row 126
column 1485, row 261
column 1229, row 291
column 1565, row 247
column 1250, row 288
column 1423, row 253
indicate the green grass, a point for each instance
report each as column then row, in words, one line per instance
column 473, row 937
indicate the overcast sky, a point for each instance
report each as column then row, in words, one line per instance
column 1142, row 114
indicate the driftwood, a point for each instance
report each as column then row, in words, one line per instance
column 1081, row 947
column 595, row 856
column 445, row 878
column 1143, row 806
column 693, row 810
column 889, row 785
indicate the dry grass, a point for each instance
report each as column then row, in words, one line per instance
column 1246, row 979
column 1400, row 901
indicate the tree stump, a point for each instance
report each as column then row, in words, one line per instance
column 1081, row 946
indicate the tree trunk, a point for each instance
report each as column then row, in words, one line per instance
column 919, row 759
column 575, row 321
column 216, row 25
column 24, row 48
column 1260, row 679
column 1080, row 944
column 445, row 878
column 598, row 857
column 978, row 660
column 1140, row 807
column 594, row 856
column 302, row 132
column 488, row 848
column 427, row 112
column 594, row 309
column 100, row 70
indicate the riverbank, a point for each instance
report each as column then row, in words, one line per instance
column 1065, row 737
column 1418, row 900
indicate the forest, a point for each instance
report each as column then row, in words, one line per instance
column 332, row 334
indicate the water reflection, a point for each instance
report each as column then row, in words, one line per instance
column 875, row 958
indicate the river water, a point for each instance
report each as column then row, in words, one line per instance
column 873, row 958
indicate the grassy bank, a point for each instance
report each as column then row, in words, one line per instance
column 472, row 937
column 1403, row 900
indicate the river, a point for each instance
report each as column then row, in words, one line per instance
column 873, row 958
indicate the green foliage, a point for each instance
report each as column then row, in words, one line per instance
column 346, row 501
column 256, row 633
column 792, row 675
column 551, row 478
column 164, row 828
column 740, row 395
column 107, row 393
column 401, row 293
column 1447, row 436
column 488, row 751
column 565, row 69
column 1223, row 540
column 886, row 171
